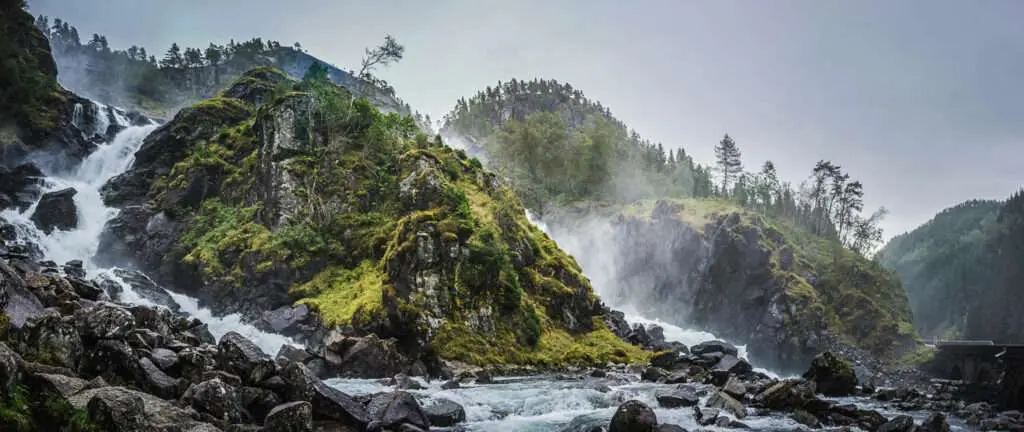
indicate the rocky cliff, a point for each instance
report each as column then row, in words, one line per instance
column 745, row 277
column 292, row 199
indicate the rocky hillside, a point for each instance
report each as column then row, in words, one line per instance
column 291, row 199
column 940, row 264
column 744, row 276
column 962, row 270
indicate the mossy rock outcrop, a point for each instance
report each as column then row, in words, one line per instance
column 282, row 193
column 785, row 293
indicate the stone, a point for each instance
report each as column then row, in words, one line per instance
column 193, row 363
column 54, row 384
column 292, row 353
column 833, row 375
column 240, row 356
column 9, row 373
column 155, row 381
column 56, row 211
column 112, row 359
column 371, row 357
column 805, row 418
column 726, row 403
column 936, row 422
column 164, row 358
column 705, row 416
column 159, row 412
column 900, row 423
column 258, row 401
column 88, row 290
column 445, row 413
column 118, row 412
column 633, row 416
column 450, row 385
column 218, row 399
column 330, row 403
column 20, row 186
column 52, row 340
column 396, row 408
column 653, row 374
column 75, row 269
column 732, row 364
column 735, row 387
column 290, row 417
column 405, row 382
column 665, row 359
column 299, row 382
column 787, row 394
column 682, row 396
column 104, row 321
column 287, row 320
column 714, row 346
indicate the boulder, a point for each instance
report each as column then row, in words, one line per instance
column 118, row 412
column 290, row 417
column 88, row 290
column 732, row 364
column 726, row 403
column 17, row 301
column 155, row 381
column 936, row 422
column 194, row 362
column 9, row 373
column 158, row 412
column 164, row 358
column 787, row 394
column 287, row 320
column 833, row 375
column 633, row 416
column 104, row 321
column 218, row 399
column 715, row 346
column 445, row 413
column 51, row 340
column 900, row 423
column 332, row 404
column 705, row 416
column 667, row 427
column 61, row 386
column 735, row 387
column 405, row 382
column 665, row 359
column 299, row 382
column 681, row 396
column 56, row 211
column 390, row 410
column 142, row 286
column 240, row 356
column 258, row 401
column 653, row 374
column 369, row 357
column 114, row 360
column 292, row 353
column 805, row 418
column 75, row 269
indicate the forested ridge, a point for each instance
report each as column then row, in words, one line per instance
column 557, row 146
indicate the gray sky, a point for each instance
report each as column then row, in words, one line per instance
column 920, row 100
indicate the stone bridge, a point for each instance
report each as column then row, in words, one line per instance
column 984, row 362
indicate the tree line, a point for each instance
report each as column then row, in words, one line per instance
column 828, row 204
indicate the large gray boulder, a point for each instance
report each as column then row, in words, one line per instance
column 118, row 412
column 290, row 417
column 218, row 399
column 832, row 374
column 104, row 321
column 240, row 356
column 445, row 413
column 391, row 410
column 633, row 416
column 56, row 211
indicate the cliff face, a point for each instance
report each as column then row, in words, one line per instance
column 281, row 197
column 786, row 294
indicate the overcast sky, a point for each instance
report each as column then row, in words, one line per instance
column 920, row 100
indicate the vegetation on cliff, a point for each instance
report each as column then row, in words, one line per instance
column 962, row 270
column 377, row 226
column 30, row 99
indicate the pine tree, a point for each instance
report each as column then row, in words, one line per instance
column 727, row 157
column 173, row 58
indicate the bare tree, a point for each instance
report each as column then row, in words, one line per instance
column 385, row 54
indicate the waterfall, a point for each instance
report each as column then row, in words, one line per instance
column 81, row 243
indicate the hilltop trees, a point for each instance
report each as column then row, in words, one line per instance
column 727, row 158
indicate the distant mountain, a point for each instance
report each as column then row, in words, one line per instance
column 961, row 270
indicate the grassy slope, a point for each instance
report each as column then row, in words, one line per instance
column 353, row 238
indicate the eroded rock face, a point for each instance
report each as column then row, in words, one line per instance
column 20, row 186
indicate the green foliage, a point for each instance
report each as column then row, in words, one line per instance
column 343, row 296
column 21, row 411
column 5, row 325
column 30, row 98
column 919, row 357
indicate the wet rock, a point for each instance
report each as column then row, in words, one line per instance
column 656, row 333
column 445, row 413
column 404, row 382
column 62, row 386
column 787, row 394
column 114, row 360
column 118, row 412
column 240, row 356
column 633, row 416
column 450, row 385
column 218, row 399
column 665, row 359
column 732, row 364
column 258, row 401
column 16, row 299
column 88, row 290
column 193, row 363
column 653, row 374
column 900, row 423
column 144, row 287
column 833, row 375
column 667, row 427
column 735, row 387
column 705, row 416
column 104, row 321
column 292, row 353
column 936, row 422
column 370, row 357
column 290, row 417
column 396, row 408
column 299, row 382
column 682, row 396
column 286, row 320
column 805, row 418
column 56, row 211
column 20, row 187
column 75, row 269
column 332, row 404
column 724, row 402
column 715, row 346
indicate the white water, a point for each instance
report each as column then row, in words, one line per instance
column 81, row 243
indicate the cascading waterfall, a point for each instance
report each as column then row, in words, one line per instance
column 81, row 243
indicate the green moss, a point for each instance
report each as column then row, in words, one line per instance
column 5, row 325
column 21, row 411
column 344, row 296
column 921, row 356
